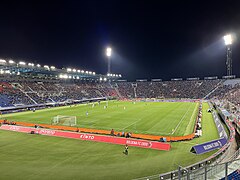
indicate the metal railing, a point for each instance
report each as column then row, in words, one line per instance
column 202, row 171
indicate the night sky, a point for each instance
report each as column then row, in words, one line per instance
column 150, row 39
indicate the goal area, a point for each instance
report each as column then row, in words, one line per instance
column 64, row 120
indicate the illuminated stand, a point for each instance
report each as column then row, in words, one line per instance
column 228, row 43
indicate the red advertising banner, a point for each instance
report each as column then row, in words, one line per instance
column 91, row 137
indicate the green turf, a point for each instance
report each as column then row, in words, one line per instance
column 25, row 156
column 159, row 118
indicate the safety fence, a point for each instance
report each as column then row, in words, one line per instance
column 202, row 171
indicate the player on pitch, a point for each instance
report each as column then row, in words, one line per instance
column 126, row 150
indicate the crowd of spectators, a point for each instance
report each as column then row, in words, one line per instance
column 27, row 93
column 194, row 89
column 37, row 92
column 126, row 89
column 10, row 95
column 230, row 93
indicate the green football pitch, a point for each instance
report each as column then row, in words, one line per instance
column 158, row 118
column 25, row 156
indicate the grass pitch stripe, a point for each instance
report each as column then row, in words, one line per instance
column 181, row 120
column 194, row 114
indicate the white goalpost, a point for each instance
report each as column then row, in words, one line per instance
column 64, row 120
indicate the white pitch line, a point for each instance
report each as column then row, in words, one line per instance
column 132, row 123
column 192, row 115
column 181, row 120
column 148, row 177
column 186, row 142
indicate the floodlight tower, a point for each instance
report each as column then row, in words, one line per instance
column 109, row 53
column 228, row 42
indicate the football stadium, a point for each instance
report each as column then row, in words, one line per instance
column 166, row 128
column 60, row 119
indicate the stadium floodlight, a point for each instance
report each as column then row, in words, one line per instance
column 82, row 71
column 108, row 54
column 77, row 77
column 2, row 61
column 65, row 76
column 90, row 72
column 78, row 71
column 46, row 67
column 120, row 75
column 69, row 69
column 52, row 67
column 101, row 78
column 11, row 62
column 86, row 72
column 38, row 65
column 105, row 79
column 228, row 39
column 30, row 64
column 74, row 70
column 109, row 51
column 228, row 42
column 69, row 77
column 93, row 73
column 22, row 63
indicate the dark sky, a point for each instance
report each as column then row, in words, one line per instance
column 150, row 39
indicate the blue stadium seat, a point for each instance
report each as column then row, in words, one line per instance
column 235, row 175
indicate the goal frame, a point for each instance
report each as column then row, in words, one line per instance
column 64, row 120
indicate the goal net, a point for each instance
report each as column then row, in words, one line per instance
column 64, row 120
